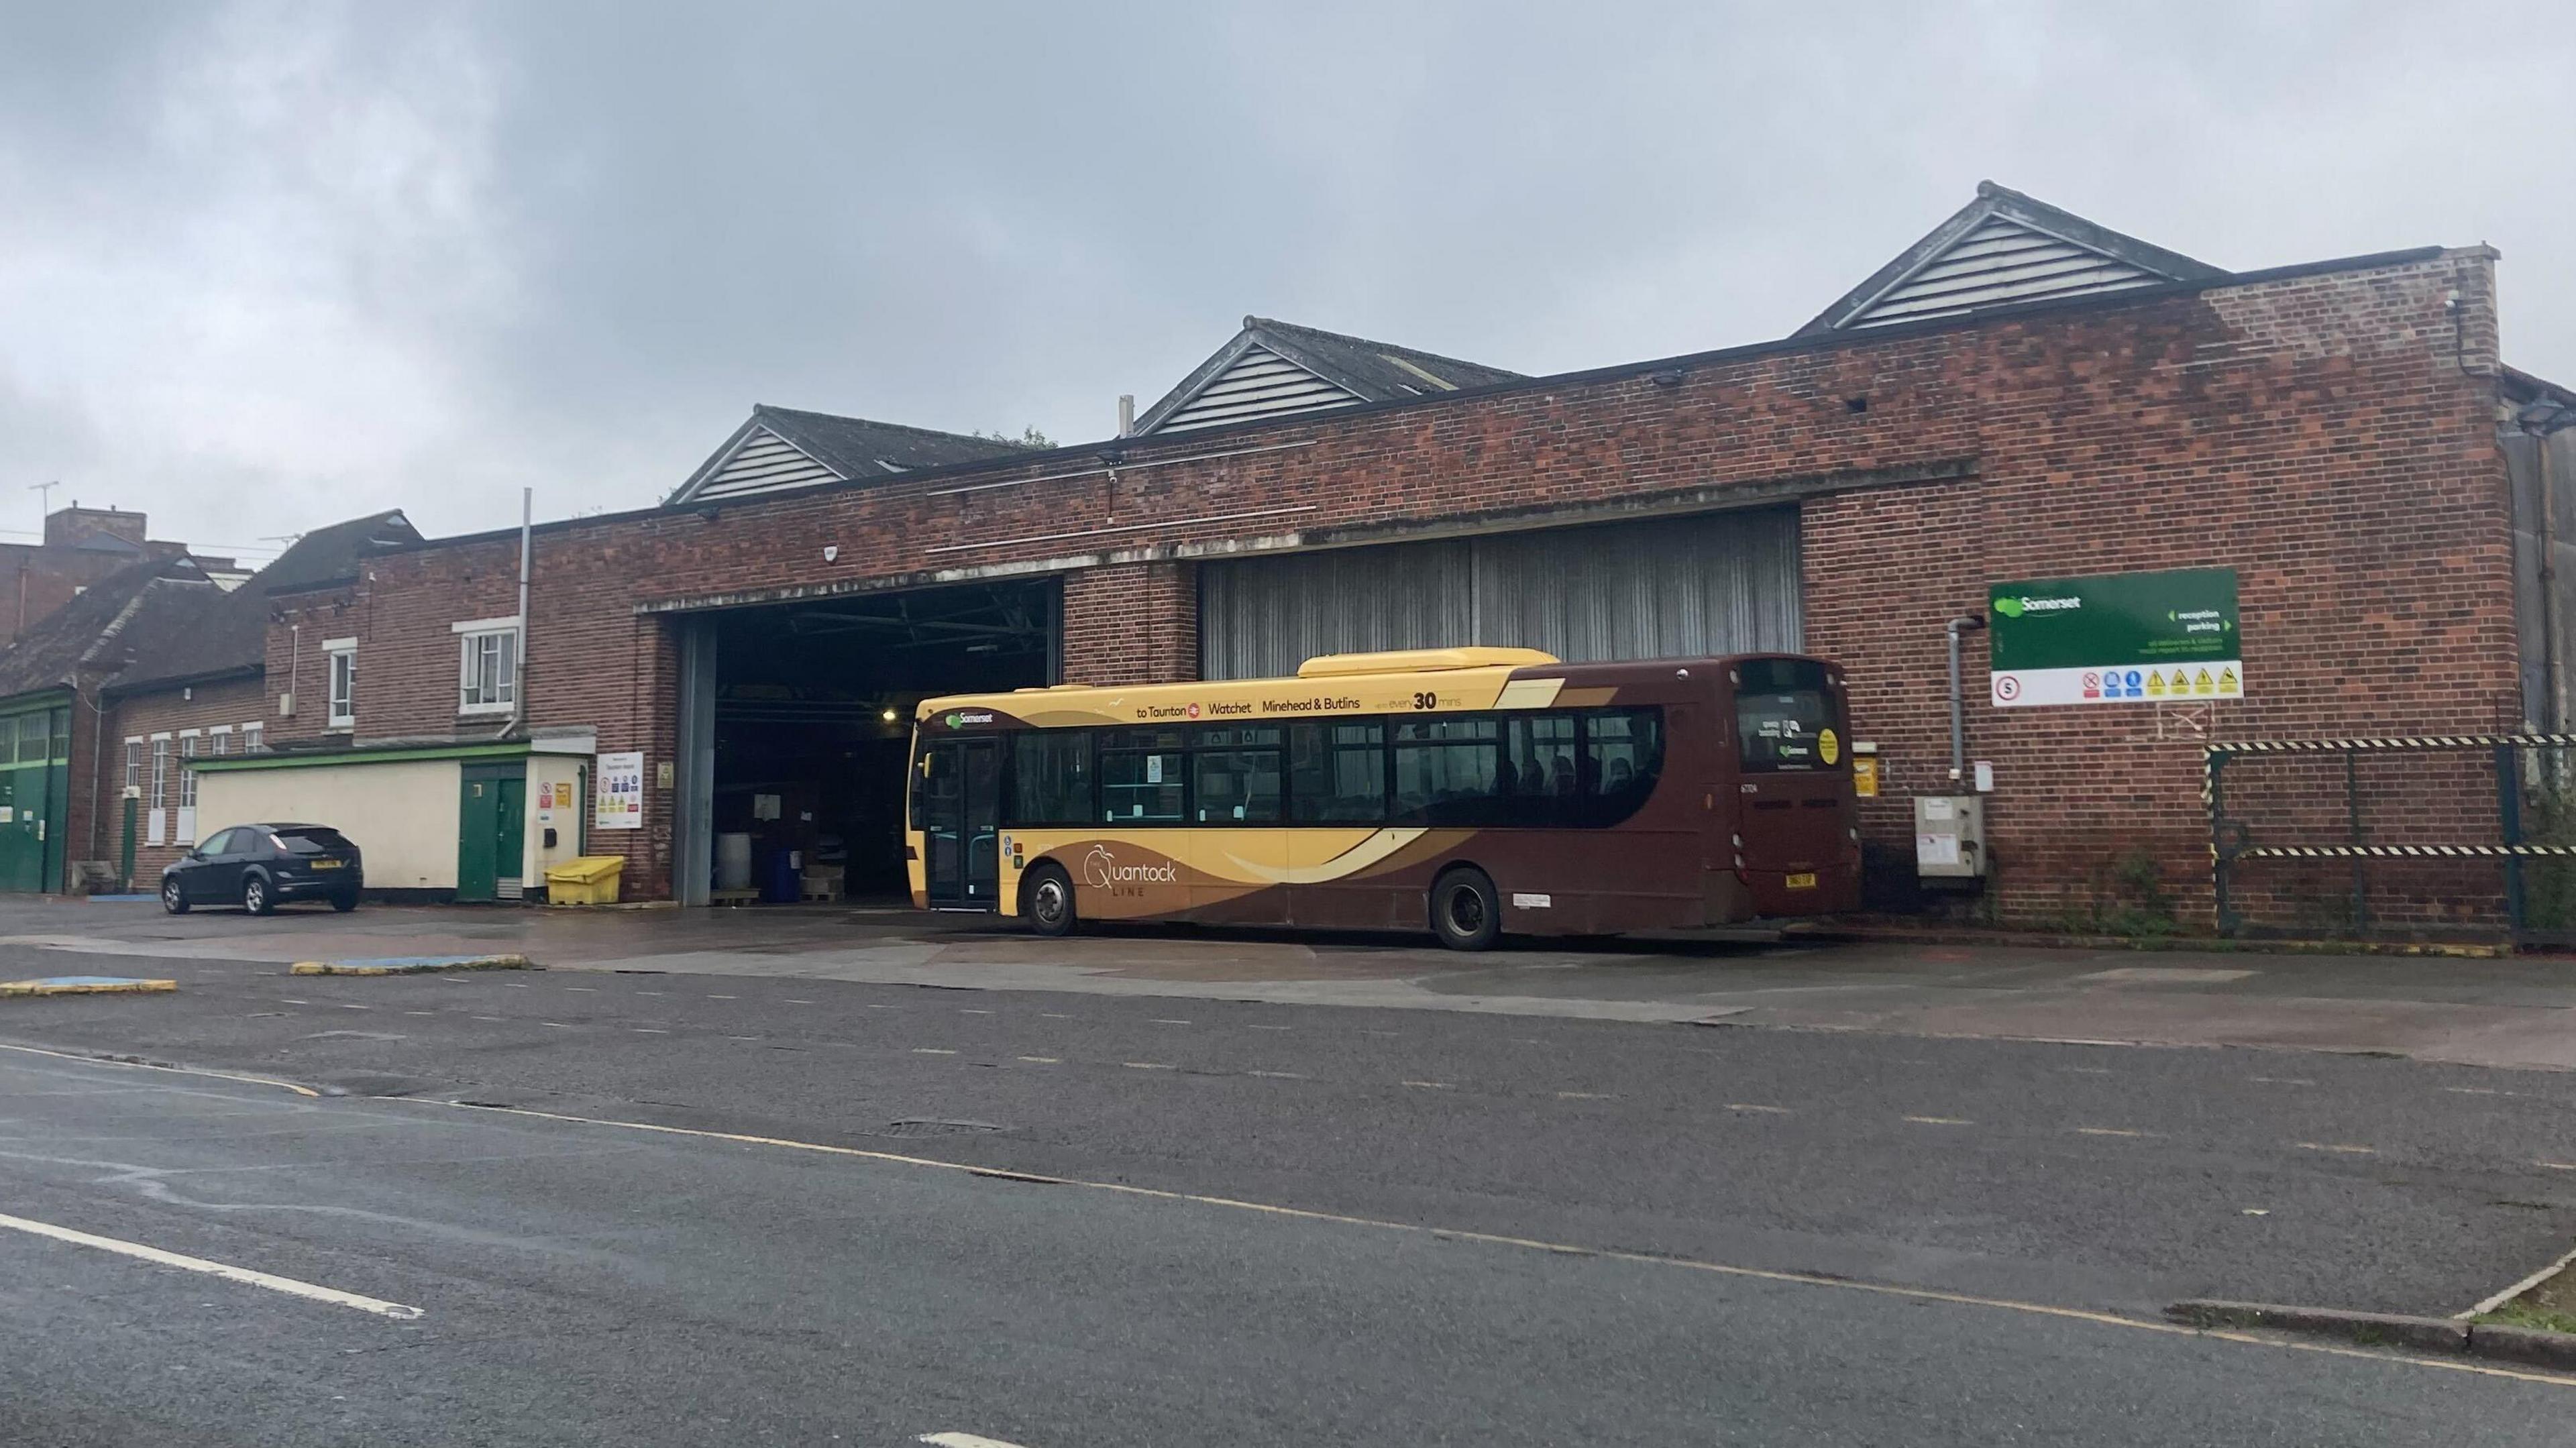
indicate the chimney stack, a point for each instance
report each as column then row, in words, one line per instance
column 1126, row 414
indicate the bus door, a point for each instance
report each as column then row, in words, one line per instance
column 960, row 814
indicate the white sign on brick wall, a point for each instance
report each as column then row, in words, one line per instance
column 618, row 799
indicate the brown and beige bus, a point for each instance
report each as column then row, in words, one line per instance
column 1471, row 790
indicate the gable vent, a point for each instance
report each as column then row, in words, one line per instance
column 765, row 463
column 1261, row 383
column 2000, row 261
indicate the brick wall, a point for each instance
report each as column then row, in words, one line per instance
column 1131, row 623
column 226, row 704
column 2329, row 435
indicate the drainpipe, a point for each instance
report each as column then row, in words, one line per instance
column 519, row 664
column 1965, row 623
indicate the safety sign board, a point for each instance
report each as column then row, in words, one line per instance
column 2122, row 638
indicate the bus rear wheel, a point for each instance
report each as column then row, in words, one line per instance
column 1465, row 912
column 1046, row 900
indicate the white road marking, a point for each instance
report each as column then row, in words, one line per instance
column 2337, row 1147
column 420, row 1013
column 1270, row 1028
column 1149, row 1066
column 2490, row 1304
column 1055, row 1015
column 244, row 1275
column 558, row 1025
column 742, row 1038
column 652, row 992
column 1280, row 1075
column 2255, row 1212
column 2090, row 1070
column 973, row 1011
column 1431, row 1085
column 2285, row 1080
column 794, row 1002
column 962, row 1440
column 292, row 1001
column 2106, row 1131
column 1165, row 1021
column 1749, row 1106
column 917, row 1050
column 1585, row 1096
column 518, row 985
column 648, row 1030
column 344, row 1005
column 2557, row 1165
column 1043, row 1060
column 724, row 998
column 1940, row 1121
column 487, row 1018
column 2473, row 1091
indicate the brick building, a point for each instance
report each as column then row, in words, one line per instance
column 81, row 546
column 2022, row 394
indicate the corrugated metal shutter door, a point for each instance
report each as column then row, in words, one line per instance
column 1713, row 584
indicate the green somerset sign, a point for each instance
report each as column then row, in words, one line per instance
column 2122, row 638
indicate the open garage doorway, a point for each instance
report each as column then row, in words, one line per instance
column 811, row 719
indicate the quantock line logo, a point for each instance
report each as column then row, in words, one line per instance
column 1101, row 871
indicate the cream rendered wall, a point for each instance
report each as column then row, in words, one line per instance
column 402, row 816
column 556, row 777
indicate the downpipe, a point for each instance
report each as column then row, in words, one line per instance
column 1965, row 623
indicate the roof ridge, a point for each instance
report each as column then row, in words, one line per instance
column 764, row 408
column 1253, row 323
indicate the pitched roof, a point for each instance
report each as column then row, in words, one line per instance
column 230, row 634
column 781, row 448
column 106, row 623
column 2003, row 248
column 1273, row 367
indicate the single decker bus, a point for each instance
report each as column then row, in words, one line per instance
column 1474, row 791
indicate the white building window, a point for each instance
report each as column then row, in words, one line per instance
column 160, row 771
column 342, row 657
column 133, row 764
column 219, row 741
column 487, row 677
column 187, row 776
column 253, row 734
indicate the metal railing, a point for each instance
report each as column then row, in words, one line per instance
column 2527, row 770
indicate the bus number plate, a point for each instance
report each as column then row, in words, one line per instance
column 1802, row 881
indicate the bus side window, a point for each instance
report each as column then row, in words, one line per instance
column 1448, row 771
column 1539, row 769
column 1051, row 778
column 1141, row 776
column 1235, row 773
column 1337, row 772
column 1623, row 753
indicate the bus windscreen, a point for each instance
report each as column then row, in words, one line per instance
column 1780, row 710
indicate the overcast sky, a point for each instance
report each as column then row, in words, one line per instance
column 263, row 266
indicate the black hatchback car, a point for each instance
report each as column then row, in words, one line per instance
column 260, row 866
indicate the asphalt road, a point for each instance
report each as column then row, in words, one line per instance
column 676, row 1288
column 578, row 1282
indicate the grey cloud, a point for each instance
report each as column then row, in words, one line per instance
column 267, row 264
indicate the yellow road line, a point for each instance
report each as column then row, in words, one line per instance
column 1496, row 1239
column 157, row 1066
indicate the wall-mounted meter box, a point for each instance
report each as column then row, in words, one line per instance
column 1950, row 837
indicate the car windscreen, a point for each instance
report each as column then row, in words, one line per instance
column 1781, row 714
column 313, row 840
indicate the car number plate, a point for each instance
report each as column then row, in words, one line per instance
column 335, row 864
column 1803, row 881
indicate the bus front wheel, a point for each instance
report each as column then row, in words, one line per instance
column 1465, row 912
column 1046, row 898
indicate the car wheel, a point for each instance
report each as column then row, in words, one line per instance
column 1046, row 898
column 255, row 895
column 344, row 903
column 174, row 898
column 1465, row 913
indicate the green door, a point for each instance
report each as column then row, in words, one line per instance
column 492, row 817
column 34, row 791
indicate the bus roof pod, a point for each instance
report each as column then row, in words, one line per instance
column 1405, row 661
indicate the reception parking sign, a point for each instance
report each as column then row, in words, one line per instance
column 2121, row 638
